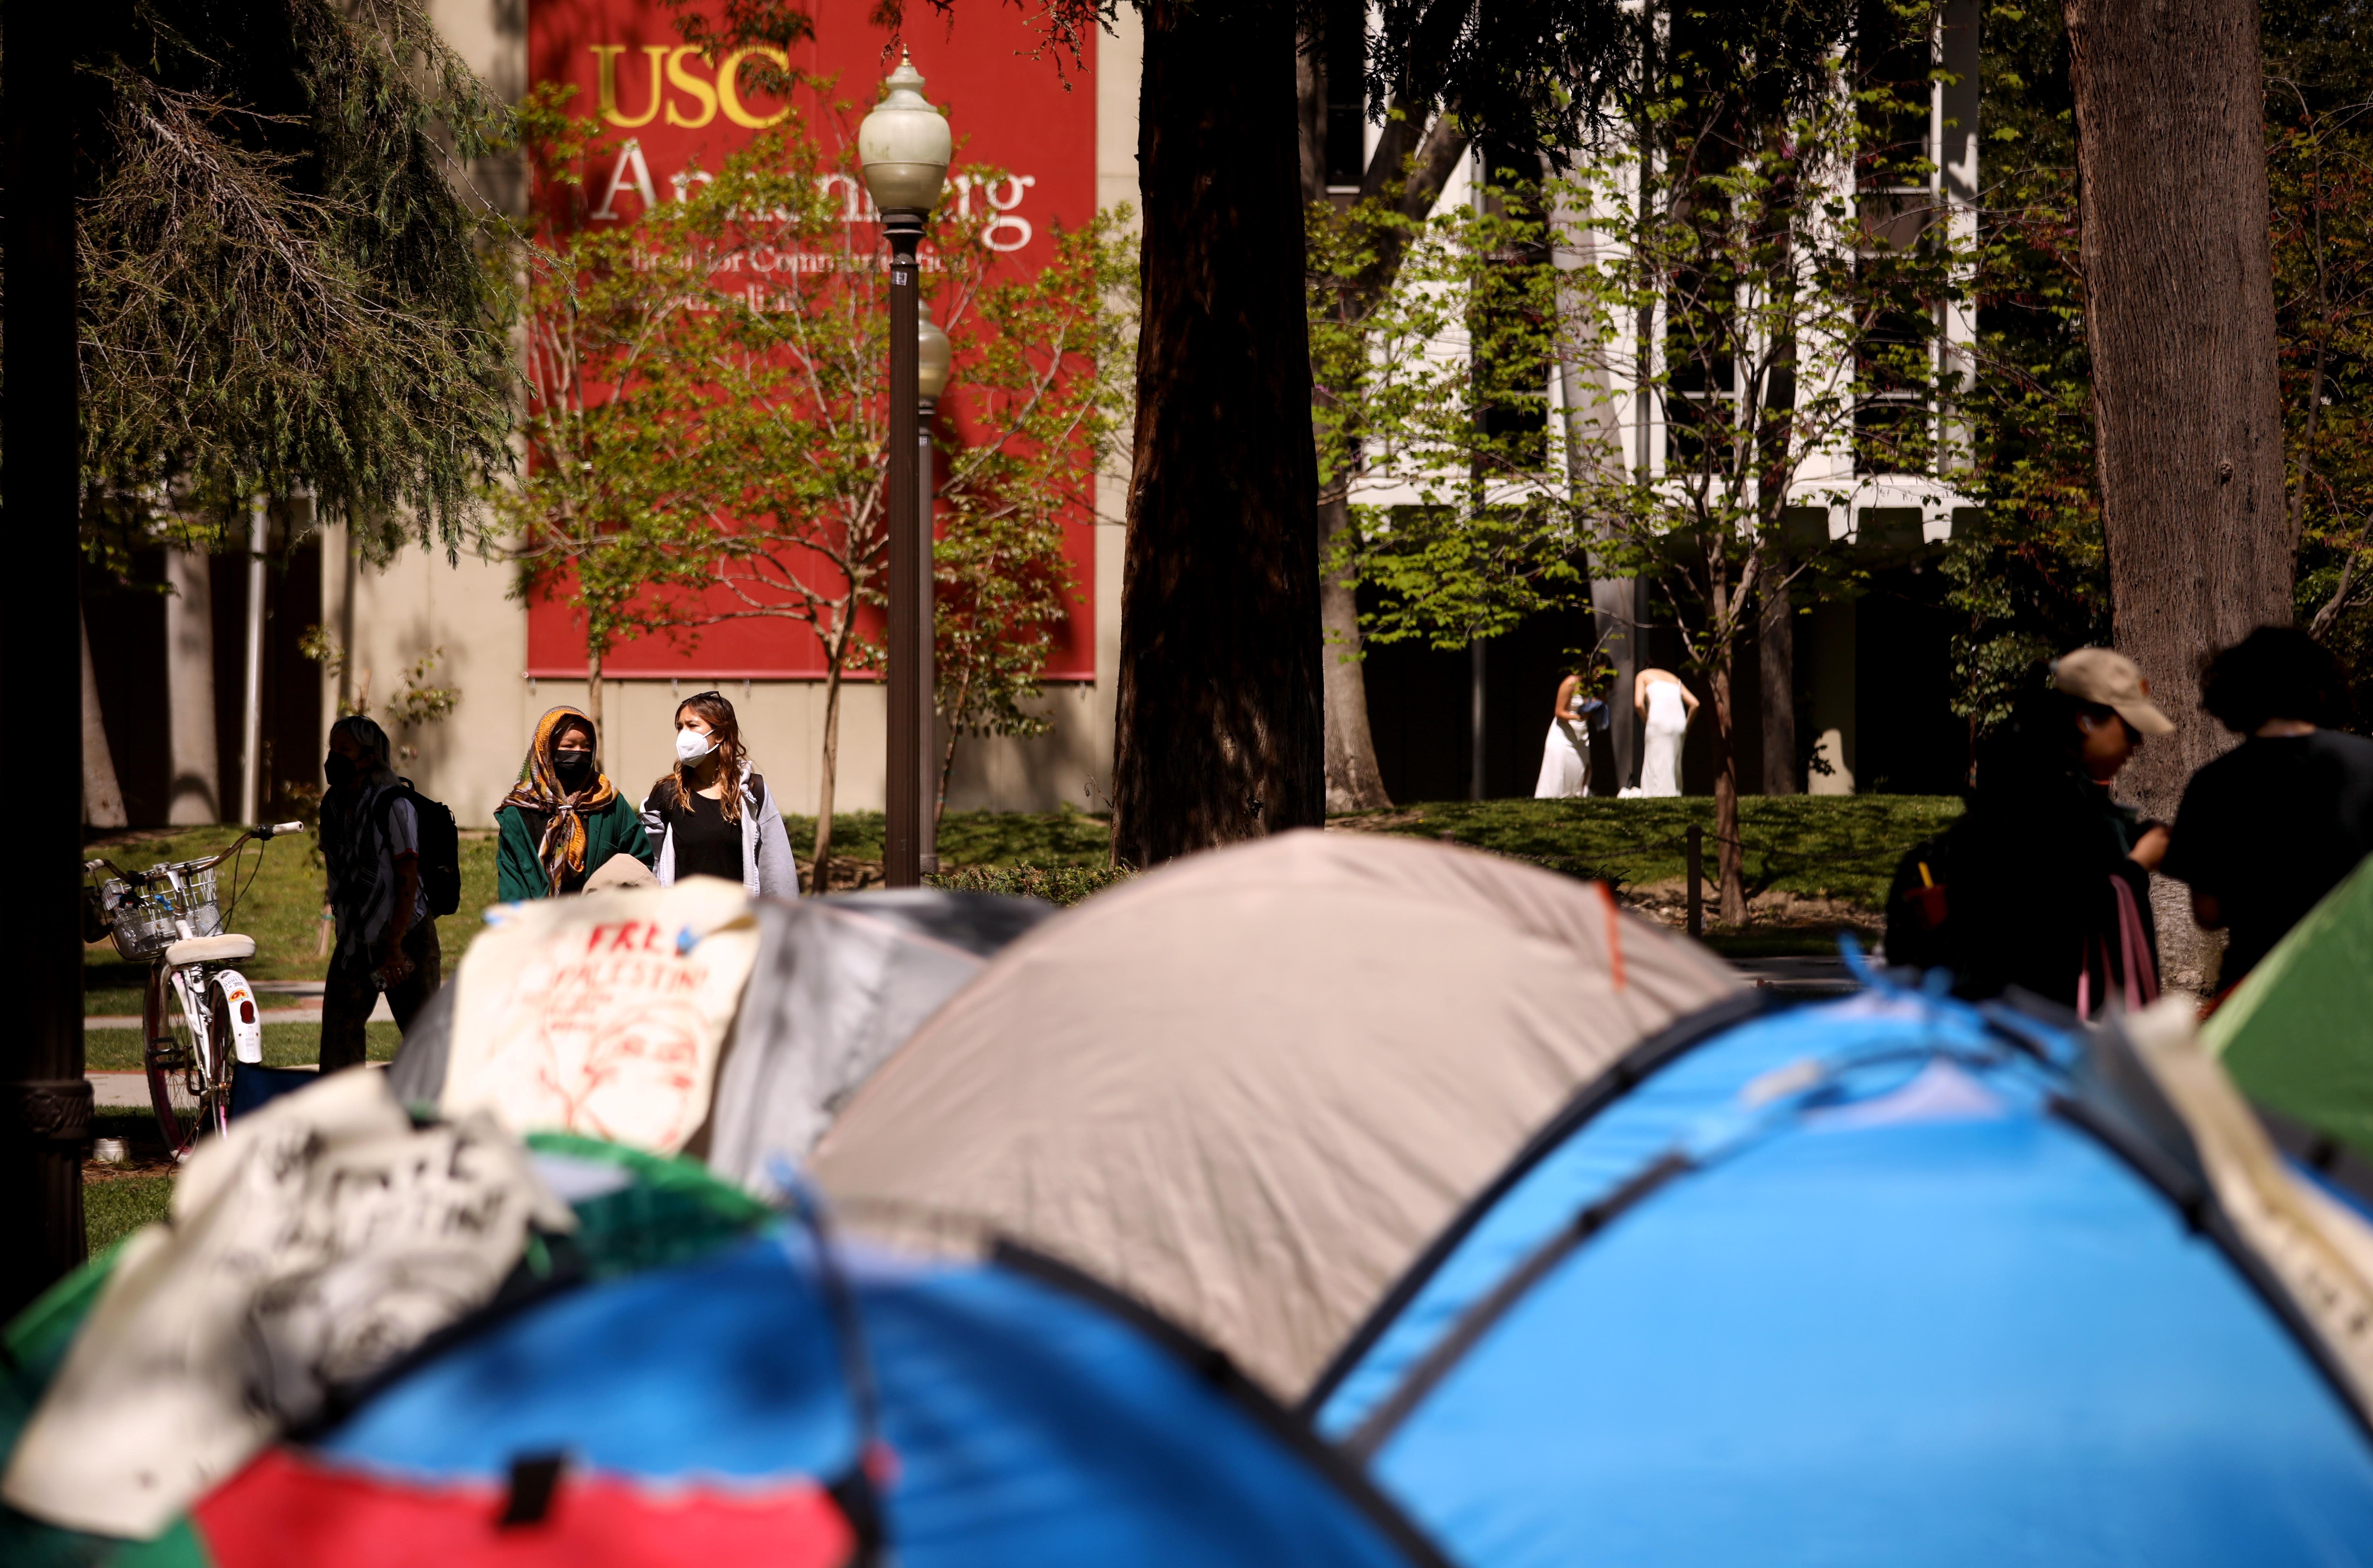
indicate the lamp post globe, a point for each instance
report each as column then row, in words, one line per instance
column 932, row 356
column 903, row 145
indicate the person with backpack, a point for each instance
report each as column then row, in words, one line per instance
column 2044, row 882
column 564, row 820
column 713, row 816
column 2270, row 827
column 386, row 929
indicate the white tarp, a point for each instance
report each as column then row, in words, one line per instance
column 1250, row 1087
column 603, row 1013
column 839, row 983
column 318, row 1241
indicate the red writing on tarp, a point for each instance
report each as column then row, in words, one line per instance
column 629, row 936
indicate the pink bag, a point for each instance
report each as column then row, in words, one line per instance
column 2140, row 975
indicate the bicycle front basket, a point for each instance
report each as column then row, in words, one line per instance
column 148, row 926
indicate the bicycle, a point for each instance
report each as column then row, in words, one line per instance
column 198, row 1017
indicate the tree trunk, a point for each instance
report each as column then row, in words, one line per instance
column 820, row 864
column 102, row 796
column 2180, row 317
column 1354, row 783
column 45, row 1098
column 593, row 694
column 1775, row 632
column 1732, row 908
column 1220, row 731
column 948, row 756
column 194, row 794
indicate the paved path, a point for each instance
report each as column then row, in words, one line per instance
column 1797, row 977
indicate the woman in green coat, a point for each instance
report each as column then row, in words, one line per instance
column 563, row 820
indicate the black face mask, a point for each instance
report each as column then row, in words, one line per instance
column 574, row 768
column 339, row 769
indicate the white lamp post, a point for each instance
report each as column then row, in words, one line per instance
column 903, row 148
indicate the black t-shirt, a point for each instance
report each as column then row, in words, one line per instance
column 2028, row 886
column 2269, row 828
column 705, row 843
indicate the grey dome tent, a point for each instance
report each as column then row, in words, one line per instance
column 1249, row 1087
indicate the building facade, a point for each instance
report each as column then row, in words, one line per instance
column 1872, row 684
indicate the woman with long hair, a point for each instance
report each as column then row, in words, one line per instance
column 564, row 819
column 1565, row 755
column 712, row 814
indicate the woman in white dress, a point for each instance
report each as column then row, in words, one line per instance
column 1565, row 755
column 1658, row 697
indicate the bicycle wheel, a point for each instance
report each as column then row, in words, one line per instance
column 185, row 1088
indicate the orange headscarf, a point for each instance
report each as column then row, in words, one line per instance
column 562, row 847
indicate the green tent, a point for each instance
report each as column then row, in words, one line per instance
column 2297, row 1034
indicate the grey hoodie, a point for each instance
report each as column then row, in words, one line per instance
column 767, row 869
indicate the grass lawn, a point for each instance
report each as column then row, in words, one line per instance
column 280, row 906
column 1064, row 837
column 285, row 1045
column 115, row 1206
column 1814, row 846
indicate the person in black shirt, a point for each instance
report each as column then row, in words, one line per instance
column 714, row 816
column 2270, row 827
column 2050, row 880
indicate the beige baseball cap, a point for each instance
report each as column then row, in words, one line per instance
column 2112, row 680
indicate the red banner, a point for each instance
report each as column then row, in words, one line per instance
column 1013, row 103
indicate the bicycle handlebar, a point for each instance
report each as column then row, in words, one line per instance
column 206, row 863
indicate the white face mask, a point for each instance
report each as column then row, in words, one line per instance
column 691, row 745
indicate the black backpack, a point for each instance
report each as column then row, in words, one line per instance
column 440, row 846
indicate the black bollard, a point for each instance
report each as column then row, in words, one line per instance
column 1697, row 880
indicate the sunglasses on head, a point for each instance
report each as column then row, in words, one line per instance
column 700, row 696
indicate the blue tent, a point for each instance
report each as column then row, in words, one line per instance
column 1887, row 1281
column 705, row 1385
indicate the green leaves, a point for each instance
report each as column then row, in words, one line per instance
column 281, row 284
column 1736, row 329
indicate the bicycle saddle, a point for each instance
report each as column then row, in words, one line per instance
column 210, row 950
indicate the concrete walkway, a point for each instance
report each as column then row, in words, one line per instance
column 1797, row 977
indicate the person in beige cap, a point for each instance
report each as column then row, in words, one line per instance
column 2047, row 877
column 2098, row 679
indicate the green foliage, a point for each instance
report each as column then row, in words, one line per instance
column 416, row 704
column 1065, row 885
column 281, row 282
column 1064, row 837
column 2320, row 176
column 1058, row 839
column 1841, row 847
column 1734, row 320
column 2033, row 582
